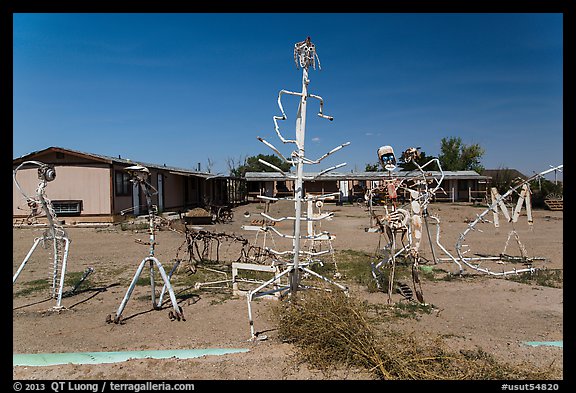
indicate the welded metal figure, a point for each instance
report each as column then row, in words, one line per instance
column 305, row 57
column 408, row 223
column 404, row 222
column 140, row 176
column 498, row 201
column 54, row 234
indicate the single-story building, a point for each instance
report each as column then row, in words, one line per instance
column 95, row 188
column 502, row 178
column 457, row 186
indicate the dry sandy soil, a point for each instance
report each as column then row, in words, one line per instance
column 476, row 310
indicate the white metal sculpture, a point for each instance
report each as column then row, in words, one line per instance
column 54, row 234
column 399, row 220
column 305, row 57
column 404, row 221
column 498, row 202
column 140, row 176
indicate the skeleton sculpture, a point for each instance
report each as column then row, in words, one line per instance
column 305, row 57
column 400, row 221
column 140, row 176
column 54, row 234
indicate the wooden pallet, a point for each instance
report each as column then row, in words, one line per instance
column 555, row 204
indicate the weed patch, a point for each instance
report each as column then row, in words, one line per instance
column 542, row 277
column 330, row 329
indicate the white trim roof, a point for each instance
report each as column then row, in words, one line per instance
column 117, row 160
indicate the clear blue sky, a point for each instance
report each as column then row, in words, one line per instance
column 183, row 89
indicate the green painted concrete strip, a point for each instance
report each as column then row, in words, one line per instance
column 50, row 359
column 545, row 343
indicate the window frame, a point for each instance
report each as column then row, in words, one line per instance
column 122, row 184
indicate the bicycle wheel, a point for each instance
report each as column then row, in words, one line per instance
column 226, row 215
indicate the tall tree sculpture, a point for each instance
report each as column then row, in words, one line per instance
column 305, row 57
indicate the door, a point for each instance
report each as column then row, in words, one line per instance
column 343, row 190
column 160, row 193
column 136, row 198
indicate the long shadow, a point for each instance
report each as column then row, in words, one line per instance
column 181, row 296
column 166, row 304
column 266, row 330
column 32, row 304
column 95, row 290
column 71, row 294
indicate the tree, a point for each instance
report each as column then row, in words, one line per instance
column 209, row 165
column 504, row 179
column 420, row 160
column 457, row 156
column 372, row 167
column 252, row 164
column 235, row 165
column 542, row 189
column 407, row 166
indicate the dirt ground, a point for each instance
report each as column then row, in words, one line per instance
column 494, row 313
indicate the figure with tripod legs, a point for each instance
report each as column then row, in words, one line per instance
column 140, row 176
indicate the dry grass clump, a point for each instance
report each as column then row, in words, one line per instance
column 331, row 330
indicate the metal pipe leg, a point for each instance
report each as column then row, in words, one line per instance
column 169, row 277
column 391, row 275
column 153, row 286
column 272, row 280
column 250, row 320
column 63, row 272
column 54, row 266
column 36, row 242
column 129, row 292
column 430, row 237
column 251, row 293
column 342, row 287
column 169, row 286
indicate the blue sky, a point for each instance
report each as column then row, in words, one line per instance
column 187, row 88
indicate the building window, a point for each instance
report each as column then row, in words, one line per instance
column 123, row 184
column 63, row 208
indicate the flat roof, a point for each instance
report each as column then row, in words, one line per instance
column 276, row 176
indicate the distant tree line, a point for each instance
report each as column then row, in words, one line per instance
column 454, row 156
column 238, row 168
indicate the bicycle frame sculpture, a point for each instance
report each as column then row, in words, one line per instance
column 54, row 234
column 305, row 57
column 140, row 175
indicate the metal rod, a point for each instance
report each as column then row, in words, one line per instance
column 64, row 261
column 298, row 188
column 36, row 242
column 312, row 272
